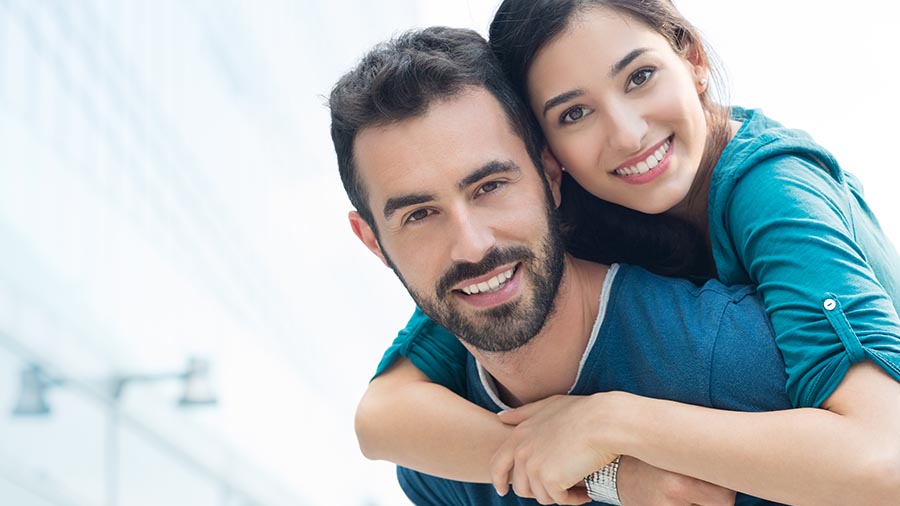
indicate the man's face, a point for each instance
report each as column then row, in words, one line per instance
column 464, row 219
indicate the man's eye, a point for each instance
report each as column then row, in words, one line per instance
column 640, row 77
column 574, row 114
column 417, row 215
column 489, row 187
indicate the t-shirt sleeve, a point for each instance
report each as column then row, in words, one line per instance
column 791, row 225
column 747, row 369
column 431, row 348
column 424, row 490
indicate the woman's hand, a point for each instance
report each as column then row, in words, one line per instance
column 555, row 444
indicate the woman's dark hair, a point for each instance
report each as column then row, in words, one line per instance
column 599, row 230
column 603, row 232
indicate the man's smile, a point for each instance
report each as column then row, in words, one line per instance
column 494, row 288
column 489, row 282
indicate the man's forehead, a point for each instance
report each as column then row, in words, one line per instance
column 454, row 136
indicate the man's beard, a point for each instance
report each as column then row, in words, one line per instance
column 510, row 325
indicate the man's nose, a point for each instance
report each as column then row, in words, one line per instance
column 471, row 238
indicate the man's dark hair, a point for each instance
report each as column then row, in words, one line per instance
column 399, row 79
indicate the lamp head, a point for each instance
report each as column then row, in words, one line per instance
column 198, row 390
column 33, row 386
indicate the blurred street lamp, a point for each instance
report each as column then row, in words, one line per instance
column 34, row 384
column 197, row 391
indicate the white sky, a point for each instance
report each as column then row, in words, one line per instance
column 320, row 309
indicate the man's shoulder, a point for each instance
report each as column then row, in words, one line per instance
column 643, row 303
column 632, row 280
column 706, row 344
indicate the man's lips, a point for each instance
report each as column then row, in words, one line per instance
column 488, row 282
column 502, row 293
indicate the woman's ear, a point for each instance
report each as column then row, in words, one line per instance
column 553, row 172
column 365, row 233
column 698, row 63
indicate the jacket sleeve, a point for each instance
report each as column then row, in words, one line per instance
column 431, row 348
column 792, row 227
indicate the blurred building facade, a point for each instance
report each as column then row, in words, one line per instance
column 140, row 143
column 168, row 190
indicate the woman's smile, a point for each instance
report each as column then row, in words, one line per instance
column 626, row 122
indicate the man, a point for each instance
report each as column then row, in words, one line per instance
column 444, row 169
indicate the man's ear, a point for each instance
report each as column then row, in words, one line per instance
column 366, row 235
column 553, row 172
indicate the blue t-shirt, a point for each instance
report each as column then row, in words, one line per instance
column 657, row 337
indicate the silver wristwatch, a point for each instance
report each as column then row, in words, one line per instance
column 601, row 484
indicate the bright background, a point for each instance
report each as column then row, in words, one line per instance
column 168, row 188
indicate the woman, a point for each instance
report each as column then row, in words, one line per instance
column 621, row 91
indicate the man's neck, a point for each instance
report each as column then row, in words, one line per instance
column 549, row 363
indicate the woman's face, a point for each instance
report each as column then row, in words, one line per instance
column 621, row 110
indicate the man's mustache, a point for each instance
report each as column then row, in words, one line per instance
column 492, row 259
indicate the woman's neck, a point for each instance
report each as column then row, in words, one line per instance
column 694, row 208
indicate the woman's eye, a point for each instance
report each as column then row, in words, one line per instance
column 417, row 215
column 639, row 78
column 574, row 114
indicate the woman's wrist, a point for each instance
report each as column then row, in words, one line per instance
column 615, row 415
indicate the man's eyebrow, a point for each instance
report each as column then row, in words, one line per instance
column 624, row 62
column 489, row 169
column 395, row 203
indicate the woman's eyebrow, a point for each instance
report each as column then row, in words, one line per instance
column 615, row 70
column 561, row 99
column 624, row 62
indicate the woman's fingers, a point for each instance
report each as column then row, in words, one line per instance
column 518, row 415
column 501, row 465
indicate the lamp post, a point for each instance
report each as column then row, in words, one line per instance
column 197, row 392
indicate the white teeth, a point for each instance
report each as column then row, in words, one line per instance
column 646, row 164
column 490, row 285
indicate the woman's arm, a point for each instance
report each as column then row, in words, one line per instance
column 848, row 453
column 827, row 275
column 406, row 419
